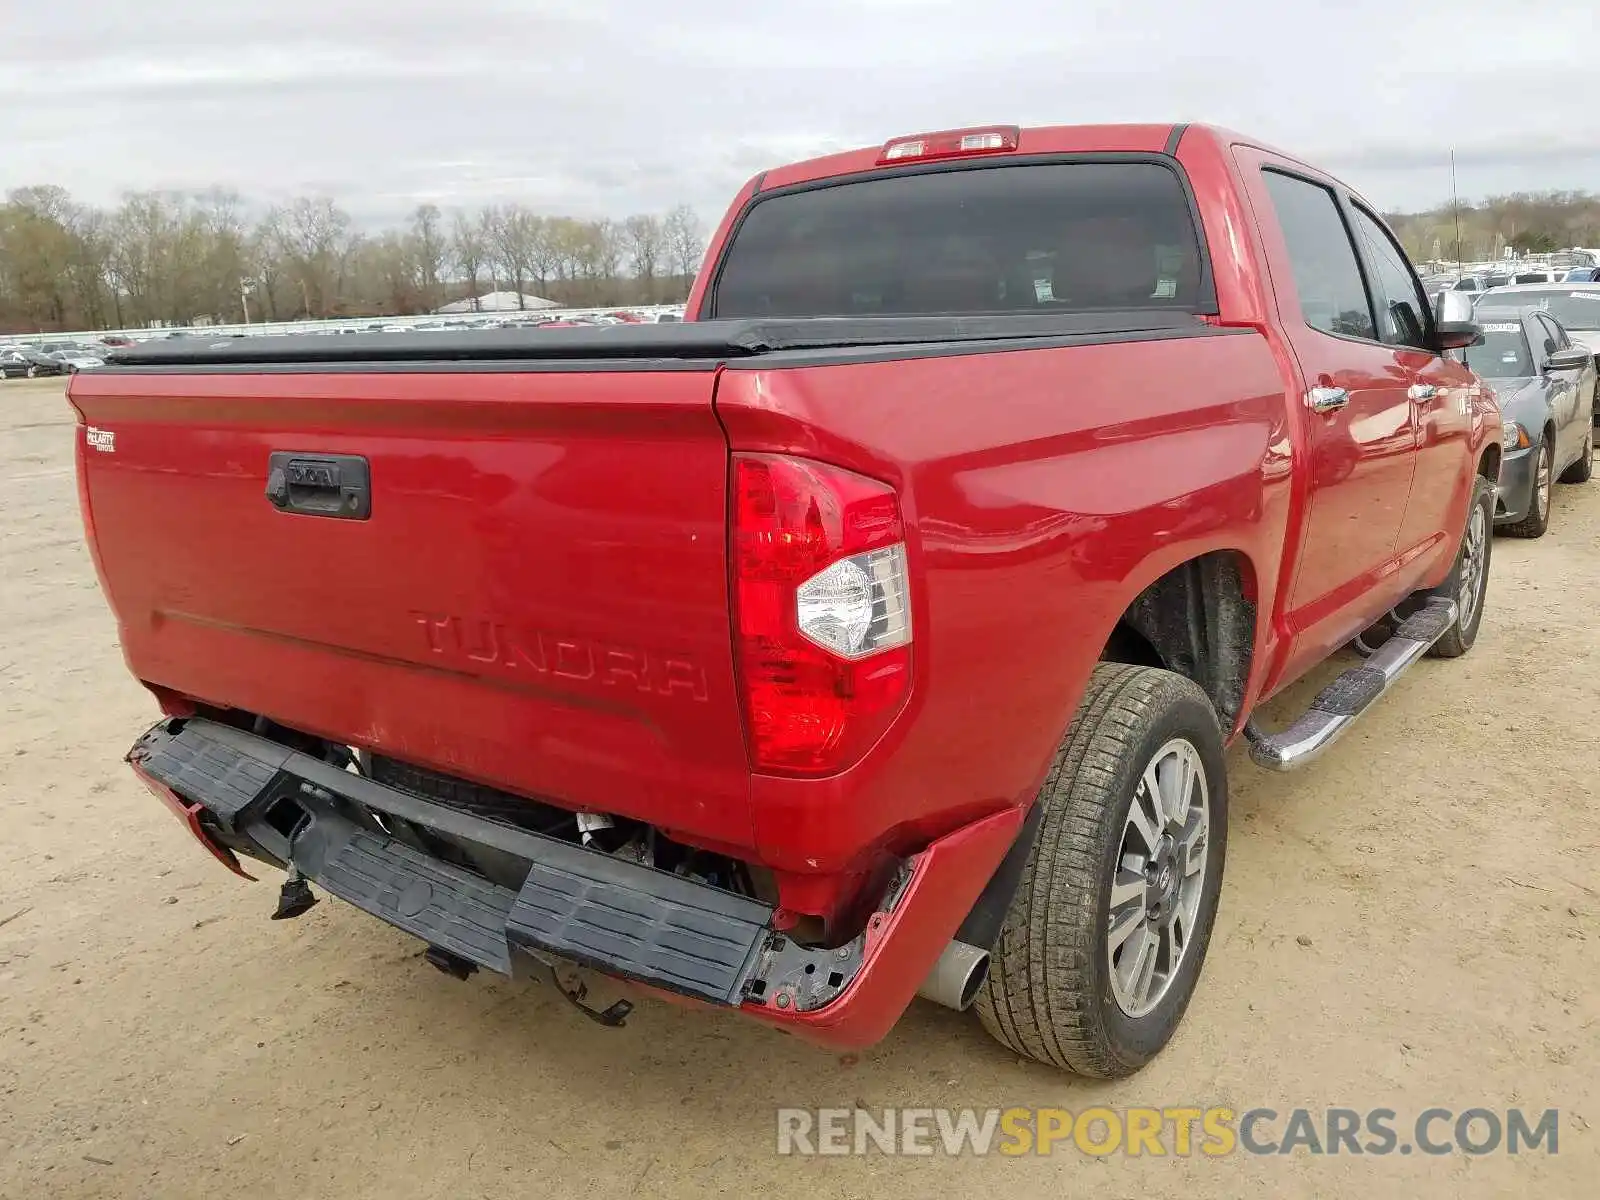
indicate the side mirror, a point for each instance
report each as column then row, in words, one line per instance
column 1457, row 335
column 1452, row 308
column 1575, row 359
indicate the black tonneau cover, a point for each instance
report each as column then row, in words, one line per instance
column 692, row 340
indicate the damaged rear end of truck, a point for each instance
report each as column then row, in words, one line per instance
column 740, row 658
column 487, row 637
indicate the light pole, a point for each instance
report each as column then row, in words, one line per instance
column 244, row 297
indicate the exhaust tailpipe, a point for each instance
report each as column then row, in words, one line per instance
column 956, row 977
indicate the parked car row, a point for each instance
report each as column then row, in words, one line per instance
column 1478, row 277
column 1541, row 354
column 30, row 362
column 529, row 320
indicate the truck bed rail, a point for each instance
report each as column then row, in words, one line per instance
column 704, row 343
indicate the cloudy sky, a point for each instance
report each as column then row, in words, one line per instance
column 604, row 107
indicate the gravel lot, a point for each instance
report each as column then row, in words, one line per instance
column 1407, row 923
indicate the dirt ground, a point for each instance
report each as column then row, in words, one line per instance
column 1413, row 921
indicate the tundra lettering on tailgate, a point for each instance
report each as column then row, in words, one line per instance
column 518, row 649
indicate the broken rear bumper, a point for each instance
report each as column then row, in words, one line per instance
column 240, row 793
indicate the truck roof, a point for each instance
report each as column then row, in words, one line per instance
column 1038, row 139
column 1042, row 139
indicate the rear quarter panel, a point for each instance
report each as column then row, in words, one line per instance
column 1042, row 490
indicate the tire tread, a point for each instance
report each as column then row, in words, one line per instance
column 1041, row 991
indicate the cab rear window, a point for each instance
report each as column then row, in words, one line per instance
column 1027, row 238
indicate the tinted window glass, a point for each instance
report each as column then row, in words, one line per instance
column 1401, row 304
column 1503, row 353
column 1327, row 277
column 1070, row 237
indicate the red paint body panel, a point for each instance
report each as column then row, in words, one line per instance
column 540, row 600
column 902, row 945
column 1037, row 501
column 189, row 814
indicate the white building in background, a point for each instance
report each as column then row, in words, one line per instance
column 496, row 302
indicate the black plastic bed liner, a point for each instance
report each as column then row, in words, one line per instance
column 583, row 906
column 704, row 342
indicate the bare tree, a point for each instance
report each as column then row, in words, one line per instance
column 567, row 254
column 510, row 232
column 486, row 220
column 429, row 252
column 645, row 245
column 89, row 268
column 468, row 250
column 544, row 253
column 145, row 233
column 223, row 266
column 394, row 276
column 266, row 253
column 606, row 238
column 685, row 243
column 317, row 236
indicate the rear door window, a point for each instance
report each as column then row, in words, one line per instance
column 1025, row 238
column 1327, row 274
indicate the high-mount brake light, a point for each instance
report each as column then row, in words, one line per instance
column 822, row 609
column 952, row 143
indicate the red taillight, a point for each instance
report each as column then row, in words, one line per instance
column 822, row 612
column 952, row 143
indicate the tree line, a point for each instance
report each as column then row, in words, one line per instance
column 183, row 258
column 1527, row 222
column 178, row 258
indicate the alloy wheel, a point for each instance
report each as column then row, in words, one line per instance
column 1473, row 554
column 1160, row 878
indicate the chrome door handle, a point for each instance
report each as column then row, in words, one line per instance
column 1327, row 399
column 1421, row 392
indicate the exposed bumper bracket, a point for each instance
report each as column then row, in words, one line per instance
column 574, row 905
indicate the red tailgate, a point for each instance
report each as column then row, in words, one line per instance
column 538, row 599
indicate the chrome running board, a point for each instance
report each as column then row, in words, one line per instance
column 1338, row 705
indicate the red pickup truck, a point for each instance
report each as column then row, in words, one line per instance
column 878, row 629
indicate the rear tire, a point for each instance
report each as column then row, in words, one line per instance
column 1471, row 559
column 1582, row 470
column 1060, row 990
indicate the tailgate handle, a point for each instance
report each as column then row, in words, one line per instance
column 320, row 485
